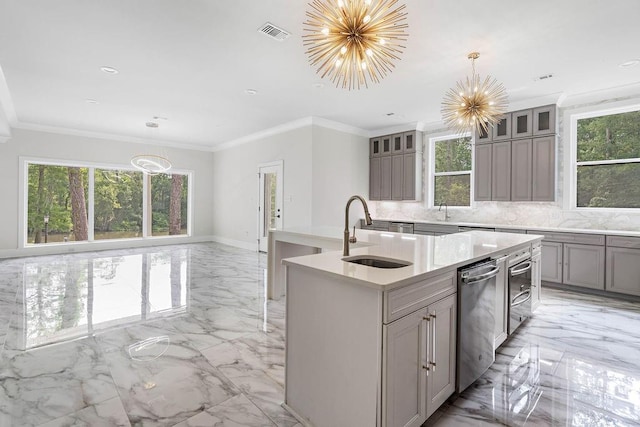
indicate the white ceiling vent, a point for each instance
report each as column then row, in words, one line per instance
column 274, row 32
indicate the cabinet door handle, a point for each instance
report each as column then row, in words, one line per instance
column 433, row 342
column 425, row 367
column 427, row 318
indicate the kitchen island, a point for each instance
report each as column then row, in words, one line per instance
column 369, row 346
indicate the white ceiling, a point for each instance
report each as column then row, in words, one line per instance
column 191, row 61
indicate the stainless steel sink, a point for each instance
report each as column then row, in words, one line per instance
column 377, row 262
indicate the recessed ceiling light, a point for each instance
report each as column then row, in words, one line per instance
column 629, row 63
column 250, row 91
column 91, row 101
column 109, row 70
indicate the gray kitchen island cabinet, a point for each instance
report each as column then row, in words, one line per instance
column 419, row 363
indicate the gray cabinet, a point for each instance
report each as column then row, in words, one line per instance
column 405, row 384
column 501, row 131
column 397, row 144
column 409, row 176
column 521, row 163
column 536, row 276
column 397, row 177
column 434, row 229
column 544, row 120
column 482, row 172
column 482, row 137
column 623, row 265
column 528, row 173
column 375, row 178
column 419, row 363
column 502, row 298
column 583, row 265
column 543, row 169
column 385, row 178
column 441, row 379
column 521, row 124
column 576, row 259
column 395, row 167
column 501, row 171
column 551, row 262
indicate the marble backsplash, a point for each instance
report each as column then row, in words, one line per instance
column 538, row 214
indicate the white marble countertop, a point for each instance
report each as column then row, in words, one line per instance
column 517, row 227
column 429, row 255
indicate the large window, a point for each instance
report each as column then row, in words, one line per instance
column 451, row 166
column 67, row 203
column 608, row 161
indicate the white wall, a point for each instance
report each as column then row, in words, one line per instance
column 235, row 184
column 322, row 168
column 84, row 149
column 541, row 214
column 340, row 170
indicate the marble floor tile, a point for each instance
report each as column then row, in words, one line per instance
column 183, row 335
column 106, row 414
column 236, row 411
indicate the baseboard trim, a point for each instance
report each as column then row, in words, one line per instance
column 297, row 416
column 70, row 248
column 236, row 243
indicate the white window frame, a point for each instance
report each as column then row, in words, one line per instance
column 92, row 166
column 573, row 154
column 432, row 169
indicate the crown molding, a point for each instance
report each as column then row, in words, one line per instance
column 109, row 136
column 289, row 126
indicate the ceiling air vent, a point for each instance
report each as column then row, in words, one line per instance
column 543, row 77
column 274, row 32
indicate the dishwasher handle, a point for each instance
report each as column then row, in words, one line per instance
column 522, row 268
column 481, row 277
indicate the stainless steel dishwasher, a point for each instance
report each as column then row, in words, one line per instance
column 476, row 321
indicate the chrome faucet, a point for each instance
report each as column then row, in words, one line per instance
column 446, row 210
column 367, row 218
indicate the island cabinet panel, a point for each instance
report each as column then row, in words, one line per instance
column 501, row 171
column 502, row 298
column 441, row 380
column 536, row 276
column 419, row 361
column 584, row 265
column 482, row 173
column 402, row 301
column 405, row 360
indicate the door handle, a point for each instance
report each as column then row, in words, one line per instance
column 277, row 216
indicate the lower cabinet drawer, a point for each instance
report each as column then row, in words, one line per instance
column 402, row 301
column 623, row 242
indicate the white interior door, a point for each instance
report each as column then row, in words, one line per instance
column 270, row 209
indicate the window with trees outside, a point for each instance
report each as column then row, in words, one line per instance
column 608, row 161
column 79, row 203
column 451, row 166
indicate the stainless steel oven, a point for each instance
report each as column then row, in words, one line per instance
column 519, row 288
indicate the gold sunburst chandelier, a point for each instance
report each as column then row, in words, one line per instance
column 474, row 104
column 354, row 41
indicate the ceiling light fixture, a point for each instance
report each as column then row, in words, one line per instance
column 151, row 164
column 250, row 91
column 91, row 101
column 109, row 70
column 354, row 41
column 474, row 104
